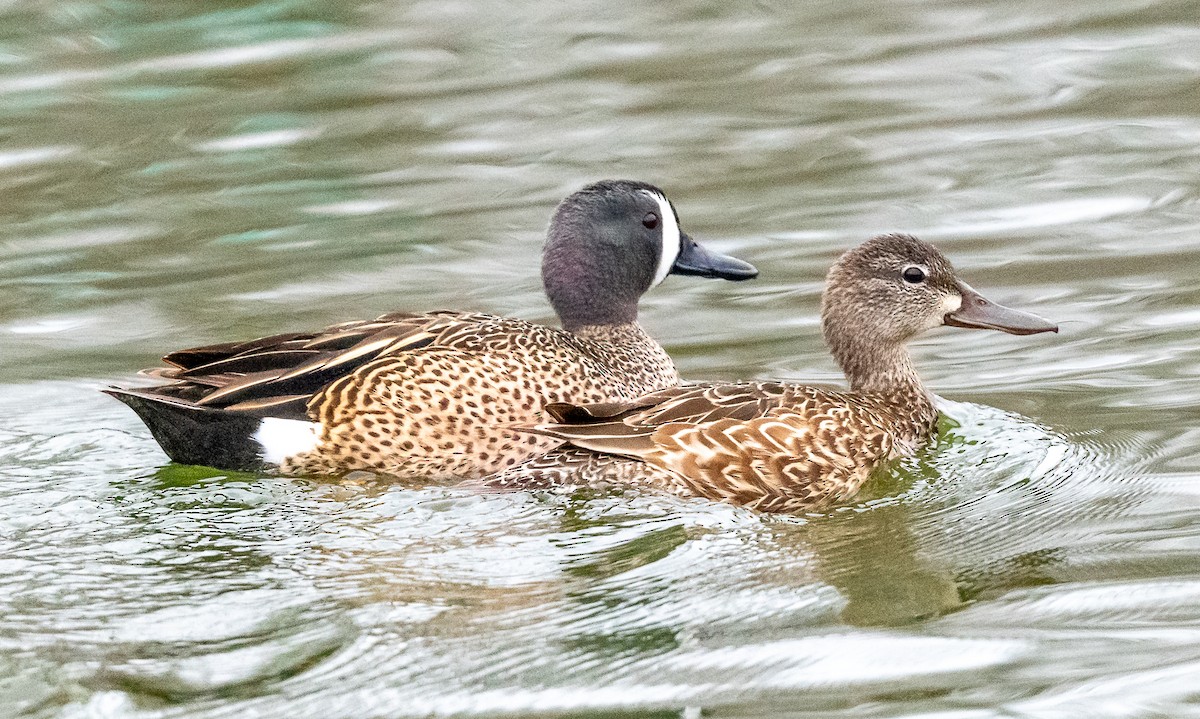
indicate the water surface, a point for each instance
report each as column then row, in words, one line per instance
column 181, row 173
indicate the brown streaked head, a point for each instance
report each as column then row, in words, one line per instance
column 893, row 287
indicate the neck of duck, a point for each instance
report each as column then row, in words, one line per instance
column 612, row 332
column 628, row 350
column 596, row 299
column 878, row 368
column 882, row 370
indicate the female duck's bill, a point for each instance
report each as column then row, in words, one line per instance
column 787, row 447
column 980, row 313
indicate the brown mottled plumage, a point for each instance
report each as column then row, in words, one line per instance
column 780, row 447
column 428, row 394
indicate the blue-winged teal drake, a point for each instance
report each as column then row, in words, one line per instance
column 785, row 447
column 428, row 394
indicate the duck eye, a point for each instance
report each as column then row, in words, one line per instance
column 650, row 220
column 913, row 275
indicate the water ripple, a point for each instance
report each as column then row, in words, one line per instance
column 174, row 175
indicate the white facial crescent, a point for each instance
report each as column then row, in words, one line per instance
column 670, row 237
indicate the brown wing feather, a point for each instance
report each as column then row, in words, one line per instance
column 197, row 356
column 693, row 404
column 248, row 363
column 277, row 375
column 772, row 446
column 628, row 428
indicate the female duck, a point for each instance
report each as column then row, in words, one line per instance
column 427, row 394
column 783, row 447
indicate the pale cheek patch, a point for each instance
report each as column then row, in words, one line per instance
column 670, row 237
column 950, row 303
column 283, row 438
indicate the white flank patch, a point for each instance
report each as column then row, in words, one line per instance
column 283, row 438
column 670, row 237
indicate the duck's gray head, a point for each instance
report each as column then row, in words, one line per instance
column 893, row 287
column 611, row 242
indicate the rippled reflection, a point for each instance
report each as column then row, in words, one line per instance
column 174, row 174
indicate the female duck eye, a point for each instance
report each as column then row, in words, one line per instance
column 913, row 274
column 650, row 220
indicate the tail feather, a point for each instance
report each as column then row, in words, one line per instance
column 191, row 434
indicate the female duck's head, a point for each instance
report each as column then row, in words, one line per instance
column 611, row 242
column 891, row 288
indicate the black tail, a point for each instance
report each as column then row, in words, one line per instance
column 191, row 434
